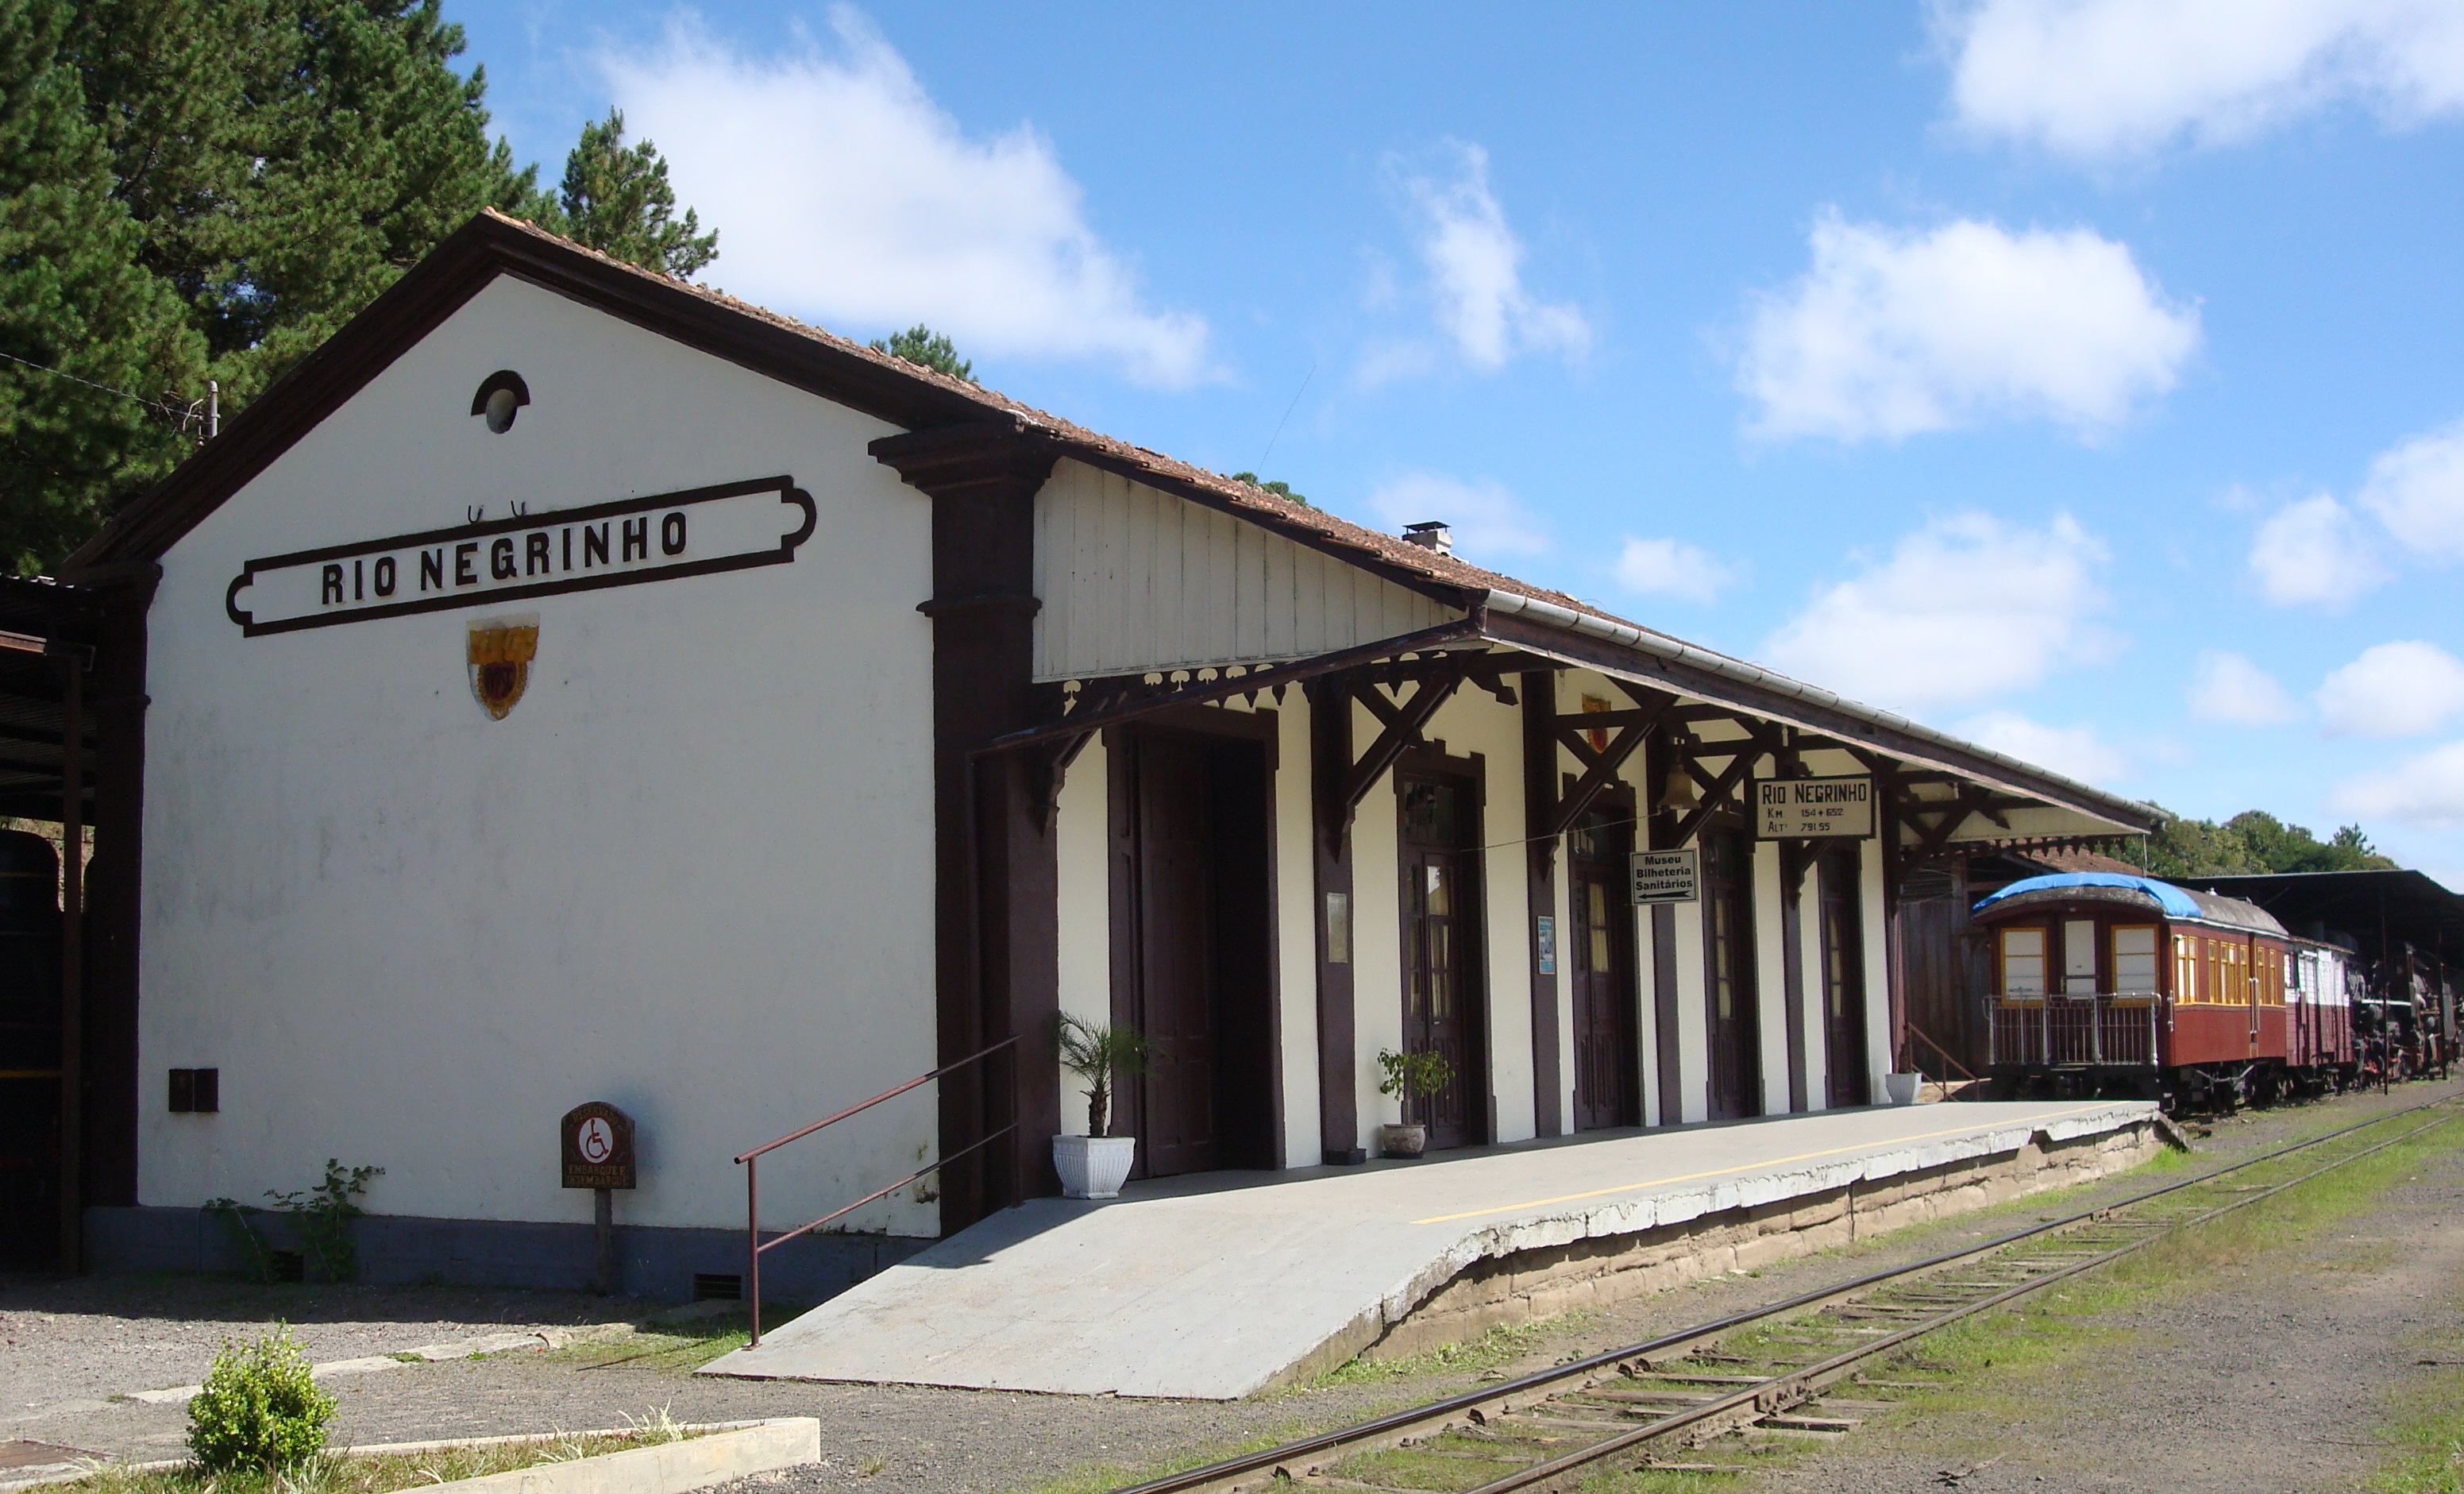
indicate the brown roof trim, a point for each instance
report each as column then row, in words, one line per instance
column 919, row 400
column 751, row 337
column 1840, row 721
column 439, row 285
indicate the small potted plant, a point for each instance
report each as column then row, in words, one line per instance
column 1410, row 1077
column 1095, row 1165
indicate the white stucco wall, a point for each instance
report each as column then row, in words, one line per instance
column 1296, row 912
column 690, row 873
column 1085, row 909
column 1377, row 941
column 1770, row 992
column 1693, row 1017
column 1878, row 968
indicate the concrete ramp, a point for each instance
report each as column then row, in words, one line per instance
column 1215, row 1286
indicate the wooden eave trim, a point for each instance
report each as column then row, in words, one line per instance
column 434, row 290
column 1844, row 727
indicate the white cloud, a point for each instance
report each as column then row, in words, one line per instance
column 2417, row 492
column 2393, row 689
column 1672, row 568
column 843, row 193
column 2090, row 78
column 2311, row 552
column 1475, row 286
column 1963, row 610
column 2228, row 688
column 2425, row 792
column 2073, row 750
column 1488, row 521
column 1891, row 332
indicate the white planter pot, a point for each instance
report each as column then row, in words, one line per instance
column 1902, row 1089
column 1402, row 1140
column 1094, row 1167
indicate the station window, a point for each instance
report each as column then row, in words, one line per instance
column 2023, row 963
column 2134, row 959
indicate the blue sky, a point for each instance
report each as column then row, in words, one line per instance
column 2086, row 376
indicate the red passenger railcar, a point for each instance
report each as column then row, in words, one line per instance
column 2105, row 983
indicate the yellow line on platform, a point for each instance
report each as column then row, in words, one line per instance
column 1721, row 1172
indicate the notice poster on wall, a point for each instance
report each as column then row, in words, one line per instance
column 1798, row 809
column 1664, row 876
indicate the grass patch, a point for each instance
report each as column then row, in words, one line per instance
column 342, row 1473
column 2427, row 1430
column 1991, row 1358
column 1505, row 1344
column 2424, row 1424
column 677, row 1348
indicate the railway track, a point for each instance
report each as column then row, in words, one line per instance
column 1791, row 1371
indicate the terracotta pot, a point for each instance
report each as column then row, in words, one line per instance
column 1402, row 1141
column 1094, row 1167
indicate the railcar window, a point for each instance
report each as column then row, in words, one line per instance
column 2023, row 963
column 2134, row 959
column 2079, row 957
column 2186, row 970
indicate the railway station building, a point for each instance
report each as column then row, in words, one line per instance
column 572, row 685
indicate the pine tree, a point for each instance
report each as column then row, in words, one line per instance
column 76, row 310
column 616, row 199
column 926, row 348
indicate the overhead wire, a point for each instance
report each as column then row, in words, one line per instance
column 182, row 415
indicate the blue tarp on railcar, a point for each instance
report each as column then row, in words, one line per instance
column 2176, row 902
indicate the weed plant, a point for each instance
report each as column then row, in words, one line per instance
column 258, row 1408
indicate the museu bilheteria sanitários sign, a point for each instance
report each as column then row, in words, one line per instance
column 631, row 541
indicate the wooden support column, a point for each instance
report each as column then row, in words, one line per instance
column 73, row 667
column 996, row 879
column 1540, row 863
column 1338, row 1099
column 1659, row 759
column 114, row 704
column 1895, row 961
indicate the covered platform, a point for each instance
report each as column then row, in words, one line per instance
column 1219, row 1284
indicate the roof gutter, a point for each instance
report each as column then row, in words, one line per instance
column 1720, row 664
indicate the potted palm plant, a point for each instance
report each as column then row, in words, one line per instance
column 1095, row 1165
column 1410, row 1077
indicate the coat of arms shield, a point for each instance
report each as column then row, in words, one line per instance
column 501, row 650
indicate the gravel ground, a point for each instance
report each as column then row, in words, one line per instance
column 2274, row 1375
column 68, row 1345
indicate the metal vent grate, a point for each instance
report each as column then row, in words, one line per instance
column 718, row 1286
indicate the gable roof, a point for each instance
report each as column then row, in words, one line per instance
column 918, row 399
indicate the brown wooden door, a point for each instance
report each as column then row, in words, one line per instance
column 1441, row 1004
column 1607, row 1060
column 1728, row 995
column 1176, row 955
column 1843, row 979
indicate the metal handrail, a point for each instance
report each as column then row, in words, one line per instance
column 751, row 1162
column 1927, row 1038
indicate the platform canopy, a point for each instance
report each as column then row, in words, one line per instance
column 45, row 627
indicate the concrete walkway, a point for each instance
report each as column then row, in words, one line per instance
column 1211, row 1287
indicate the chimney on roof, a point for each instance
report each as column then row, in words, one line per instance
column 1432, row 534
